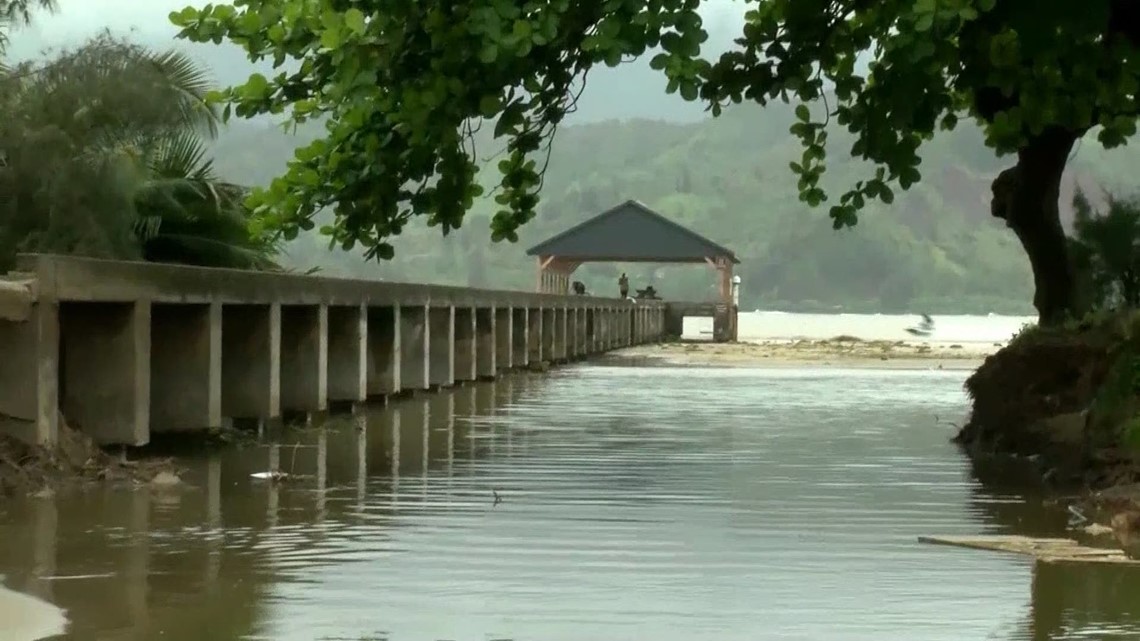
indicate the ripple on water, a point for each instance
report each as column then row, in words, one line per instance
column 635, row 503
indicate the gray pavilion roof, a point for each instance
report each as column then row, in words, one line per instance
column 631, row 232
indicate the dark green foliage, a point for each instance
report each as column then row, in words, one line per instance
column 402, row 85
column 104, row 157
column 1106, row 251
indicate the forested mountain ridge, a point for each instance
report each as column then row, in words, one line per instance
column 936, row 248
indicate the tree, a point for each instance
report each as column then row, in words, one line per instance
column 1106, row 251
column 402, row 85
column 104, row 156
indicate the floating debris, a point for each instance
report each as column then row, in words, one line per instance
column 1046, row 550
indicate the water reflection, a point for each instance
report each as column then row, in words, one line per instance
column 636, row 504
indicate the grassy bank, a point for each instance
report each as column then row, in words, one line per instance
column 1067, row 396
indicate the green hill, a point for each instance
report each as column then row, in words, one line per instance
column 936, row 248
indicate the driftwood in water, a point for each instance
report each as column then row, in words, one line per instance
column 1043, row 549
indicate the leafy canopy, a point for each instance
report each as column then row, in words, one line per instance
column 104, row 155
column 401, row 85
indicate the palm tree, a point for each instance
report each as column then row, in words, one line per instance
column 187, row 215
column 105, row 148
column 18, row 12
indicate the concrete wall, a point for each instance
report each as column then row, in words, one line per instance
column 126, row 350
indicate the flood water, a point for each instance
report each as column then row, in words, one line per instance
column 670, row 504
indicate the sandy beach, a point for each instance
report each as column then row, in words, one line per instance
column 837, row 352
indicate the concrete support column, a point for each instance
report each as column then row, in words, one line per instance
column 607, row 326
column 185, row 367
column 593, row 330
column 441, row 366
column 348, row 353
column 520, row 337
column 105, row 375
column 504, row 337
column 29, row 403
column 572, row 332
column 415, row 334
column 564, row 338
column 534, row 335
column 304, row 358
column 466, row 345
column 384, row 350
column 486, row 343
column 549, row 330
column 251, row 361
column 583, row 336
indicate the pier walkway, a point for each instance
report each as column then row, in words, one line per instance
column 125, row 350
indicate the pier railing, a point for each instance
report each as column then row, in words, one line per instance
column 127, row 349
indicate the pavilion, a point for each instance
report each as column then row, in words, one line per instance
column 633, row 233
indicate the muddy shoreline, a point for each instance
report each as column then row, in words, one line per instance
column 74, row 463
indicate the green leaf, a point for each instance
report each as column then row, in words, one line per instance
column 490, row 105
column 803, row 113
column 332, row 38
column 354, row 21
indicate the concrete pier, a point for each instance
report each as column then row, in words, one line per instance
column 185, row 367
column 441, row 350
column 347, row 361
column 466, row 347
column 520, row 337
column 486, row 343
column 304, row 358
column 125, row 350
column 383, row 353
column 504, row 338
column 414, row 355
column 251, row 361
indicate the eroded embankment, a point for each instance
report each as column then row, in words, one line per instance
column 1069, row 397
column 75, row 460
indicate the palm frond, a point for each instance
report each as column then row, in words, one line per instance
column 20, row 11
column 191, row 82
column 180, row 154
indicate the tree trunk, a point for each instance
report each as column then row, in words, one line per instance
column 1025, row 196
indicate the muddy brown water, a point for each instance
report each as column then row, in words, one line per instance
column 671, row 504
